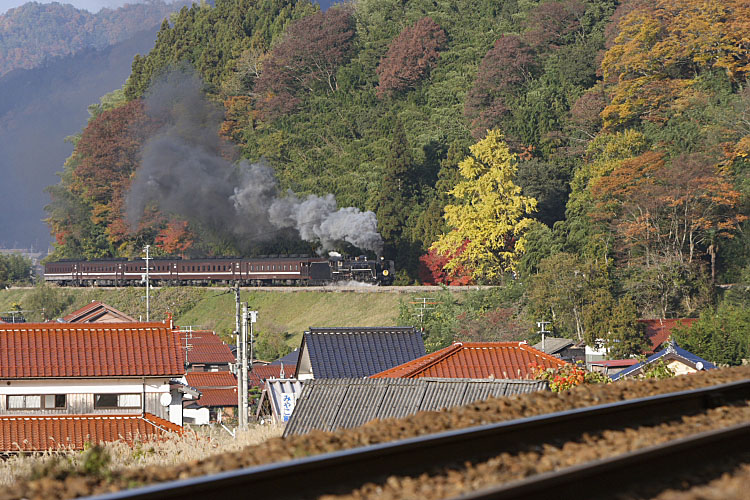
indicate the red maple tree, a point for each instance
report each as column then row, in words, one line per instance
column 410, row 56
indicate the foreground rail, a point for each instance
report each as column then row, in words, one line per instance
column 343, row 470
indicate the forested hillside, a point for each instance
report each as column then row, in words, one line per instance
column 35, row 32
column 598, row 149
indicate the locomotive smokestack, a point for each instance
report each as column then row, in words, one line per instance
column 184, row 170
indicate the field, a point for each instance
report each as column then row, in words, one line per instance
column 205, row 442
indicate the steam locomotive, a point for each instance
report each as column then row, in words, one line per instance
column 261, row 271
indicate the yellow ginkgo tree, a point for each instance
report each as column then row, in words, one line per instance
column 488, row 220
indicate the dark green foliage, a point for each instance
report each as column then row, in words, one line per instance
column 271, row 345
column 46, row 303
column 15, row 269
column 548, row 184
column 480, row 315
column 720, row 335
column 212, row 39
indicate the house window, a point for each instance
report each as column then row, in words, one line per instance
column 20, row 402
column 54, row 401
column 117, row 400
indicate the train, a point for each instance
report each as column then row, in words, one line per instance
column 277, row 270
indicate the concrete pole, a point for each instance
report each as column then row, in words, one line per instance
column 237, row 343
column 243, row 413
column 147, row 259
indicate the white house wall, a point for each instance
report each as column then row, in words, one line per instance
column 80, row 395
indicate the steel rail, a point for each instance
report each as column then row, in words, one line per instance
column 621, row 473
column 343, row 470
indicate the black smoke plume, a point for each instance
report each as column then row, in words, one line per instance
column 184, row 170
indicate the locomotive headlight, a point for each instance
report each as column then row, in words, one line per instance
column 385, row 272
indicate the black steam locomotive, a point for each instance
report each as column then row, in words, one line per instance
column 261, row 271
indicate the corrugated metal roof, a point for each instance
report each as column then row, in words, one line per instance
column 502, row 360
column 260, row 373
column 70, row 350
column 274, row 392
column 359, row 352
column 40, row 433
column 330, row 404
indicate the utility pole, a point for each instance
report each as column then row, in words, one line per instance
column 245, row 356
column 238, row 350
column 243, row 370
column 542, row 329
column 147, row 259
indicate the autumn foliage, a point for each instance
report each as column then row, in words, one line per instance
column 175, row 238
column 410, row 56
column 567, row 376
column 432, row 269
column 662, row 46
column 506, row 65
column 674, row 209
column 306, row 60
column 106, row 157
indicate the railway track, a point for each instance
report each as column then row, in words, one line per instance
column 346, row 287
column 344, row 471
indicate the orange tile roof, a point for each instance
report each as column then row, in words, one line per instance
column 39, row 433
column 207, row 347
column 501, row 360
column 218, row 397
column 261, row 373
column 659, row 330
column 91, row 312
column 200, row 380
column 74, row 350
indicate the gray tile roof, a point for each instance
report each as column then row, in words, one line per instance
column 360, row 352
column 330, row 404
column 553, row 345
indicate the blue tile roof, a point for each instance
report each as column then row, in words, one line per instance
column 672, row 348
column 289, row 359
column 360, row 352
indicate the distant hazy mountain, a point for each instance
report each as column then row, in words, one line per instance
column 33, row 32
column 38, row 109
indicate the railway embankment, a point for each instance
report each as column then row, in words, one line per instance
column 288, row 310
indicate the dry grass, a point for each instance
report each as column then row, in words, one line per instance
column 204, row 442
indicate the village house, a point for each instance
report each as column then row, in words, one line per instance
column 677, row 359
column 218, row 398
column 206, row 352
column 97, row 312
column 563, row 348
column 122, row 373
column 356, row 352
